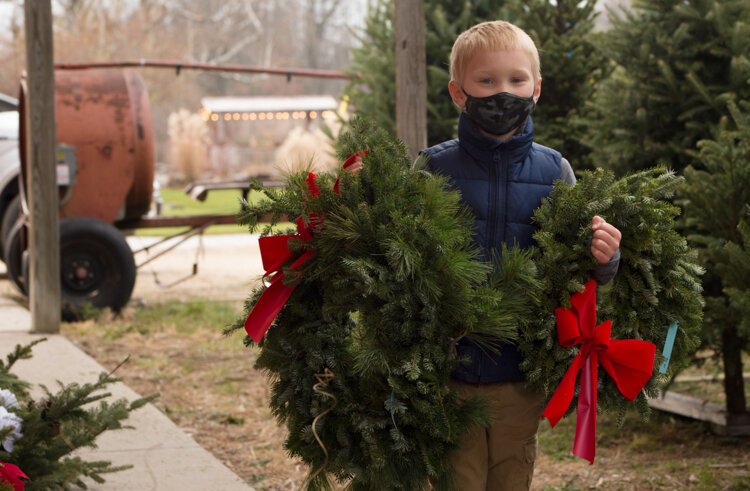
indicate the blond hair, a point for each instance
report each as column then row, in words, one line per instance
column 496, row 35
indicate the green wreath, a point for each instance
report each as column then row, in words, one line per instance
column 656, row 286
column 361, row 354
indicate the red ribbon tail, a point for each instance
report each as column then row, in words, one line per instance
column 267, row 307
column 563, row 395
column 584, row 443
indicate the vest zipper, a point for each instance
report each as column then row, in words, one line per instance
column 492, row 215
column 505, row 178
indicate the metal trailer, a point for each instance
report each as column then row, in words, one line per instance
column 105, row 170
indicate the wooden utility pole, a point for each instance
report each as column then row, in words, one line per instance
column 411, row 75
column 44, row 242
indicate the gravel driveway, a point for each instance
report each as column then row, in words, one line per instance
column 228, row 268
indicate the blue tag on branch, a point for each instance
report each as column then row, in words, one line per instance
column 668, row 345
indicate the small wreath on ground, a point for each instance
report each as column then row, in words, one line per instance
column 382, row 279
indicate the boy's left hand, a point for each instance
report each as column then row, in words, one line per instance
column 357, row 165
column 605, row 240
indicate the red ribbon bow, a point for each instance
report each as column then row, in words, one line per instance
column 629, row 362
column 12, row 475
column 275, row 252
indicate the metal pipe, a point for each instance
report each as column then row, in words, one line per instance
column 187, row 235
column 211, row 67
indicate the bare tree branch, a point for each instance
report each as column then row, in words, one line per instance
column 229, row 53
column 328, row 13
column 253, row 17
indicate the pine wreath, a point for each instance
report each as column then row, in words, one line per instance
column 657, row 284
column 364, row 342
column 386, row 279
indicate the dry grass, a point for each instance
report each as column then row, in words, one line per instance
column 209, row 388
column 305, row 149
column 207, row 382
column 665, row 453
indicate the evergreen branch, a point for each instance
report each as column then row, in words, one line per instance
column 62, row 422
column 20, row 353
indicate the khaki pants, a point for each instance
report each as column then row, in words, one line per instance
column 502, row 457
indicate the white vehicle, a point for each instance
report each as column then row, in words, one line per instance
column 10, row 165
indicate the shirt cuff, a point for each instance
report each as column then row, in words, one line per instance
column 603, row 273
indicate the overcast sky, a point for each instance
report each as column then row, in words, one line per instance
column 6, row 9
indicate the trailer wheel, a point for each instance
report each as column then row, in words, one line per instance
column 9, row 218
column 15, row 246
column 96, row 266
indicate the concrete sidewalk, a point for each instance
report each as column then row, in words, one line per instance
column 163, row 456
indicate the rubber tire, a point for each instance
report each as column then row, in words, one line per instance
column 82, row 239
column 9, row 218
column 108, row 259
column 15, row 246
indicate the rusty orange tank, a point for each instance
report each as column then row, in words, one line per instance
column 104, row 114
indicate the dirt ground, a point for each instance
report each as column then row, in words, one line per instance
column 209, row 387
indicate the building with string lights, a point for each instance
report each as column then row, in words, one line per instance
column 246, row 131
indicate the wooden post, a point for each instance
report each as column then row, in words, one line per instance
column 411, row 75
column 44, row 243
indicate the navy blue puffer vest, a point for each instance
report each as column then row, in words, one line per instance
column 503, row 183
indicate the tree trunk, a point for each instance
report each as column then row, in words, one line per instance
column 734, row 384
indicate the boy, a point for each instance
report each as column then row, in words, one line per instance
column 503, row 175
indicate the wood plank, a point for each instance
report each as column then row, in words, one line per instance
column 187, row 221
column 691, row 407
column 44, row 243
column 719, row 377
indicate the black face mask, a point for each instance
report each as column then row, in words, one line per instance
column 500, row 113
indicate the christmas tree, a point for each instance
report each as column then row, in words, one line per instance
column 373, row 90
column 571, row 68
column 678, row 64
column 716, row 201
column 39, row 436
